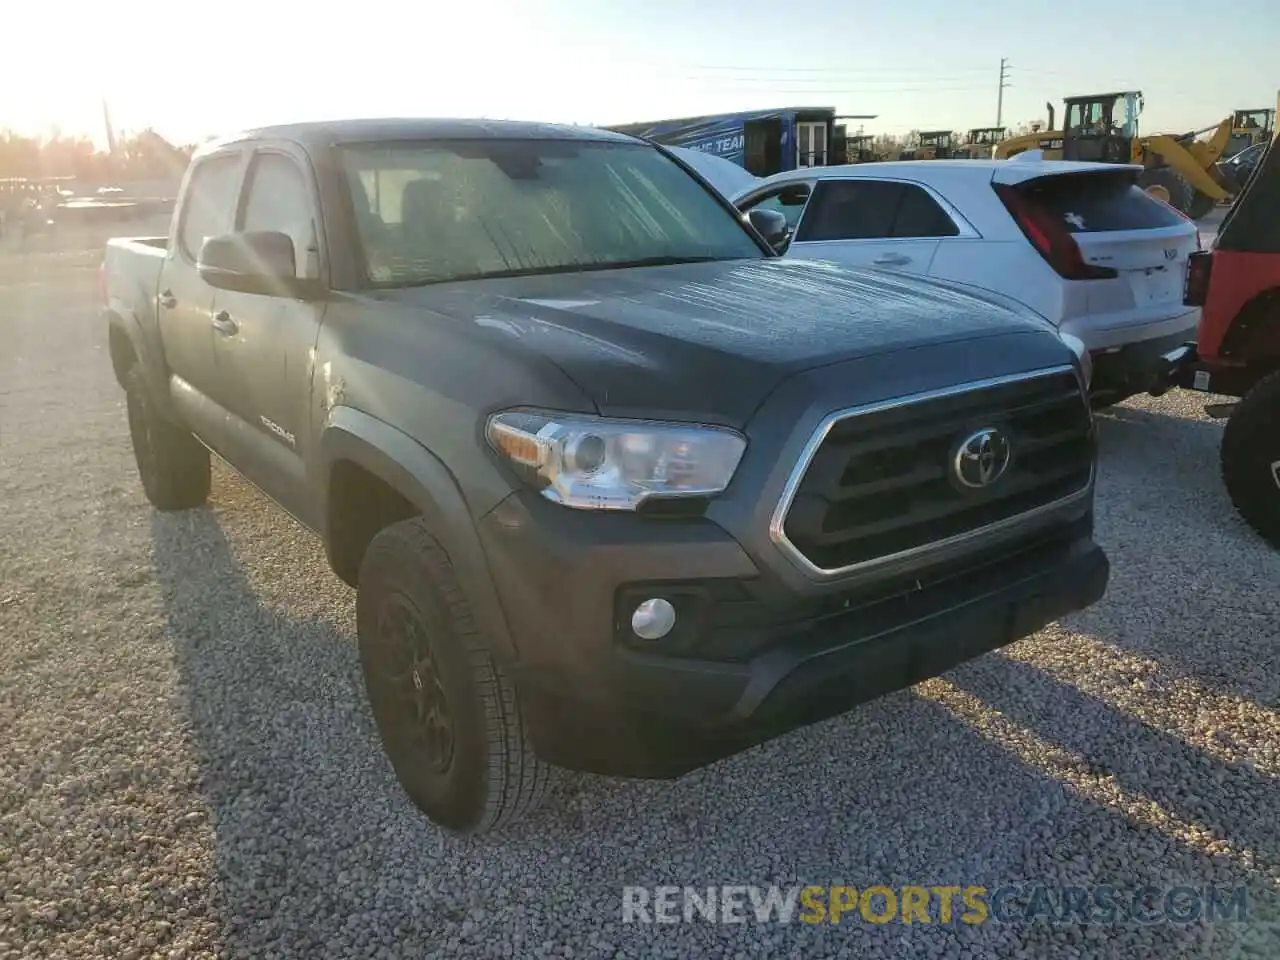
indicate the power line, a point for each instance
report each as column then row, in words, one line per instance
column 840, row 92
column 766, row 78
column 755, row 82
column 820, row 70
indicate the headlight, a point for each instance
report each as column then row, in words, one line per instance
column 593, row 463
column 1082, row 353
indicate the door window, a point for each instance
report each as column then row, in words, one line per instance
column 209, row 203
column 788, row 201
column 278, row 200
column 851, row 210
column 873, row 210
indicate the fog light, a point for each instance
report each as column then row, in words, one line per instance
column 653, row 619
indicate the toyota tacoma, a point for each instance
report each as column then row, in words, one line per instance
column 619, row 489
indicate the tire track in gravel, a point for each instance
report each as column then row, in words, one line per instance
column 105, row 827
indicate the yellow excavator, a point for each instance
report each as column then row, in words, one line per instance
column 1249, row 127
column 979, row 142
column 932, row 145
column 1180, row 169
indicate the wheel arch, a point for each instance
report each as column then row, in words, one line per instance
column 390, row 457
column 1253, row 336
column 128, row 347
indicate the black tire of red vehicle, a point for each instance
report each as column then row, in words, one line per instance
column 172, row 464
column 1251, row 458
column 448, row 715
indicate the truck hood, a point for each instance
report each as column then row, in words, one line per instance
column 712, row 340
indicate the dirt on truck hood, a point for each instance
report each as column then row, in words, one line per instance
column 714, row 339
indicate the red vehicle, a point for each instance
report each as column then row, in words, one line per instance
column 1237, row 353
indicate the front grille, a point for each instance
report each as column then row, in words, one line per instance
column 881, row 482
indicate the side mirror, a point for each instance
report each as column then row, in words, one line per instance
column 262, row 262
column 771, row 225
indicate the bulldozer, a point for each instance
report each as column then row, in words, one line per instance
column 979, row 142
column 1249, row 127
column 1180, row 169
column 932, row 145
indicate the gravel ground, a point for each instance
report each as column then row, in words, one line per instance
column 189, row 767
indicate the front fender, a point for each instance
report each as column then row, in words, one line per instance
column 421, row 478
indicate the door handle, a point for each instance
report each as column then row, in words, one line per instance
column 891, row 260
column 167, row 299
column 223, row 323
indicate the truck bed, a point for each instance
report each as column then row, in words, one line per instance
column 131, row 276
column 143, row 245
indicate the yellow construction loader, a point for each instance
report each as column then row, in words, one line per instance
column 1249, row 127
column 932, row 145
column 861, row 148
column 1181, row 169
column 979, row 142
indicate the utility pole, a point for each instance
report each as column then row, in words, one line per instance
column 1004, row 82
column 111, row 133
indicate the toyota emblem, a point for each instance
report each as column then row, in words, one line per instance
column 982, row 458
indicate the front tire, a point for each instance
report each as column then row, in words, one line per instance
column 1201, row 205
column 448, row 715
column 1251, row 459
column 172, row 464
column 1165, row 183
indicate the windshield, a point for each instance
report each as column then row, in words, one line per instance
column 455, row 210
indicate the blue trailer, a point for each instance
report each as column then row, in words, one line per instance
column 762, row 141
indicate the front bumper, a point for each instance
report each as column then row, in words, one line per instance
column 751, row 656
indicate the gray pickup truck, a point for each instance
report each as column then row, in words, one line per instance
column 620, row 489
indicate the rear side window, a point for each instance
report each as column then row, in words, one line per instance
column 210, row 202
column 920, row 216
column 874, row 210
column 1099, row 203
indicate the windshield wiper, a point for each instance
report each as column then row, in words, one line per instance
column 647, row 262
column 558, row 268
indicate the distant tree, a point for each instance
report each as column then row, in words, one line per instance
column 19, row 156
column 149, row 156
column 889, row 145
column 143, row 156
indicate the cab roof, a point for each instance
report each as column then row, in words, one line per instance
column 320, row 134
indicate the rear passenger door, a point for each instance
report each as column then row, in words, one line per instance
column 185, row 303
column 886, row 224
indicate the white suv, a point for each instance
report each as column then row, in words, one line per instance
column 1079, row 243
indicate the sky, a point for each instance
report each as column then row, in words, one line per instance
column 915, row 64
